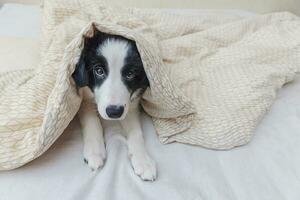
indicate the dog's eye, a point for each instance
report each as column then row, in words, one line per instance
column 99, row 70
column 130, row 75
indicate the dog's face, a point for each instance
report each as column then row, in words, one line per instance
column 112, row 68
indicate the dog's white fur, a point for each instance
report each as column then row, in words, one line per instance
column 113, row 91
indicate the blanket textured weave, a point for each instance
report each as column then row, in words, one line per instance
column 212, row 78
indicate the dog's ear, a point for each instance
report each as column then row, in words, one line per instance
column 80, row 74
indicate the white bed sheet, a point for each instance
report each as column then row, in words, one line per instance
column 267, row 168
column 18, row 20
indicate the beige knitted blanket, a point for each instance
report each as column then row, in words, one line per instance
column 212, row 77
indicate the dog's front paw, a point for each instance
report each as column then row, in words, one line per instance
column 94, row 159
column 144, row 167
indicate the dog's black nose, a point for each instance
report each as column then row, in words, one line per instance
column 114, row 111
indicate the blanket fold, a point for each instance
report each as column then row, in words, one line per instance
column 212, row 78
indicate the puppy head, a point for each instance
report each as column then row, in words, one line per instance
column 112, row 68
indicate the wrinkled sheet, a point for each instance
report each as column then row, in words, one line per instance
column 267, row 168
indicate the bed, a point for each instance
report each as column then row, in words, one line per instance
column 267, row 168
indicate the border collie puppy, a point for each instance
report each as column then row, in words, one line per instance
column 111, row 68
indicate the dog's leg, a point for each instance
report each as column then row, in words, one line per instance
column 142, row 163
column 94, row 148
